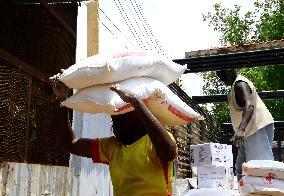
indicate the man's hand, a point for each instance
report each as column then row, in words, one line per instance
column 126, row 96
column 238, row 138
column 60, row 90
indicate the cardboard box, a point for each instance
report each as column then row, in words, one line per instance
column 229, row 156
column 211, row 177
column 211, row 154
column 193, row 155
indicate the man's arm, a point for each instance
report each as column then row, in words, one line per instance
column 243, row 98
column 77, row 146
column 164, row 145
column 81, row 147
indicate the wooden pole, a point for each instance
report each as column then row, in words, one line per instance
column 29, row 69
column 93, row 28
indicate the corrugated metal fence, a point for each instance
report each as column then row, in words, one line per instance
column 21, row 179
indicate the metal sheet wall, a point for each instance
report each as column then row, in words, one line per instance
column 21, row 179
column 94, row 178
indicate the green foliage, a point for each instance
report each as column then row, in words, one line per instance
column 235, row 29
column 264, row 23
column 271, row 19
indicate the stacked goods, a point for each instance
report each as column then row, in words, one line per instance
column 163, row 103
column 211, row 177
column 144, row 75
column 211, row 154
column 263, row 177
column 214, row 164
column 103, row 69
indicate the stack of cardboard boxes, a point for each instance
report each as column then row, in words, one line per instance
column 214, row 164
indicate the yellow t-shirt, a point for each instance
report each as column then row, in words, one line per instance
column 134, row 169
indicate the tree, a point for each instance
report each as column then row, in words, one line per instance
column 264, row 23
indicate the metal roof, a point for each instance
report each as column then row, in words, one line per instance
column 232, row 57
column 237, row 48
column 264, row 95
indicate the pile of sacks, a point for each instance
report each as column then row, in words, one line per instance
column 263, row 177
column 143, row 74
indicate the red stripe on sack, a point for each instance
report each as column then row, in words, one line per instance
column 96, row 152
column 179, row 114
column 166, row 175
column 123, row 107
column 129, row 54
column 128, row 105
column 241, row 182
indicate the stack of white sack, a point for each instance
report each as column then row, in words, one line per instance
column 263, row 177
column 144, row 75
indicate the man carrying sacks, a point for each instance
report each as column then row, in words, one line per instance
column 139, row 155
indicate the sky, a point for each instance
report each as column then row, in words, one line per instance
column 177, row 26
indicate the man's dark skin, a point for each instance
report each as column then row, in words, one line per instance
column 243, row 98
column 128, row 128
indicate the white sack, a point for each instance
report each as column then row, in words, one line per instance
column 264, row 168
column 102, row 69
column 265, row 185
column 168, row 108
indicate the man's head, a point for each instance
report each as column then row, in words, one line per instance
column 127, row 127
column 227, row 76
